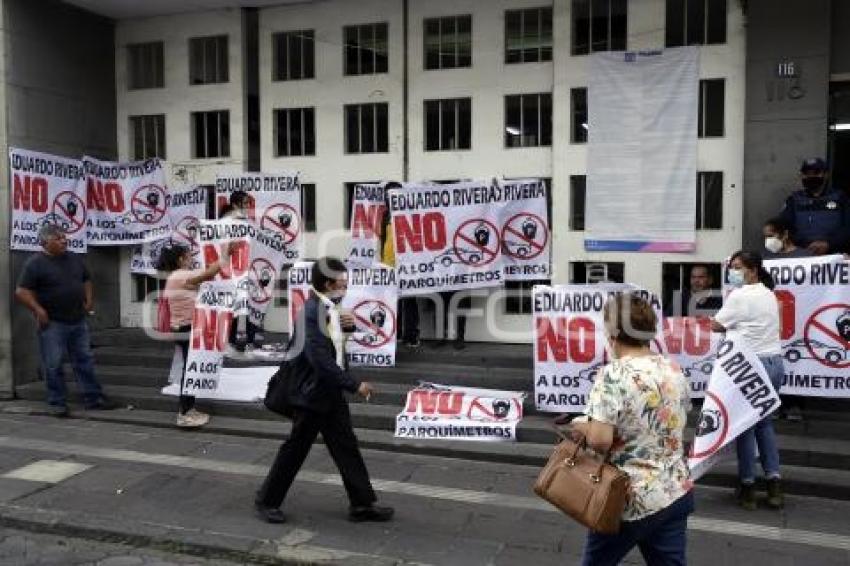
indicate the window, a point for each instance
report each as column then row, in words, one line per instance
column 528, row 120
column 365, row 49
column 578, row 191
column 448, row 124
column 578, row 103
column 711, row 108
column 148, row 136
column 294, row 55
column 676, row 279
column 597, row 272
column 598, row 25
column 695, row 22
column 144, row 285
column 448, row 42
column 145, row 65
column 528, row 35
column 519, row 295
column 349, row 199
column 211, row 134
column 308, row 207
column 367, row 128
column 208, row 60
column 709, row 200
column 295, row 132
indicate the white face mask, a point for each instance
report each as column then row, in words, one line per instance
column 773, row 244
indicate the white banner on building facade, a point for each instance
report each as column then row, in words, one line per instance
column 641, row 151
column 434, row 411
column 46, row 189
column 126, row 202
column 525, row 234
column 368, row 206
column 211, row 322
column 739, row 395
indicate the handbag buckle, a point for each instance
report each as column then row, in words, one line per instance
column 570, row 462
column 594, row 478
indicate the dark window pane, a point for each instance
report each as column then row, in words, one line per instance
column 138, row 137
column 223, row 62
column 196, row 61
column 464, row 41
column 367, row 49
column 198, row 131
column 308, row 49
column 546, row 34
column 160, row 136
column 210, row 61
column 577, row 201
column 295, row 139
column 211, row 124
column 581, row 27
column 599, row 25
column 448, row 133
column 309, row 132
column 432, row 44
column 367, row 128
column 709, row 213
column 296, row 68
column 513, row 36
column 158, row 62
column 281, row 128
column 546, row 119
column 308, row 206
column 465, row 123
column 578, row 128
column 352, row 58
column 381, row 48
column 280, row 57
column 674, row 27
column 513, row 121
column 711, row 108
column 619, row 27
column 531, row 36
column 432, row 125
column 352, row 128
column 150, row 136
column 696, row 21
column 530, row 123
column 383, row 129
column 224, row 133
column 716, row 21
column 448, row 45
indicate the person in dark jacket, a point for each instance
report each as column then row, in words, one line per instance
column 319, row 377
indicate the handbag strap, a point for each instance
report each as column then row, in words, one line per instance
column 582, row 443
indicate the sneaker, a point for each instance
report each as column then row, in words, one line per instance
column 794, row 415
column 775, row 498
column 746, row 496
column 269, row 514
column 60, row 411
column 370, row 513
column 186, row 420
column 204, row 418
column 102, row 404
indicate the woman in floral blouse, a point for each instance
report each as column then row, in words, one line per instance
column 637, row 408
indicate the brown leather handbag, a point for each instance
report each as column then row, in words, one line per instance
column 584, row 486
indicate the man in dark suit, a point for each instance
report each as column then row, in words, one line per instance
column 316, row 384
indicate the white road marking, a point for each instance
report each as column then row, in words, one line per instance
column 47, row 471
column 715, row 526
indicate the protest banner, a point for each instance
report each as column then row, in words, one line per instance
column 434, row 411
column 222, row 238
column 126, row 202
column 186, row 208
column 570, row 341
column 274, row 204
column 211, row 322
column 241, row 384
column 525, row 235
column 46, row 189
column 267, row 257
column 297, row 289
column 368, row 206
column 691, row 343
column 739, row 395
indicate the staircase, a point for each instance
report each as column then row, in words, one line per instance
column 133, row 368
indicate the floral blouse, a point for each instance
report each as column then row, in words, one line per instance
column 647, row 400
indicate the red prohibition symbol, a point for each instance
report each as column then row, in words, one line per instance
column 524, row 236
column 499, row 410
column 724, row 429
column 375, row 316
column 834, row 322
column 70, row 211
column 283, row 219
column 476, row 242
column 262, row 276
column 148, row 204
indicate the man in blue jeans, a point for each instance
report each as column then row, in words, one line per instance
column 56, row 286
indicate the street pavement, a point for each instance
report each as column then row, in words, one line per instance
column 85, row 492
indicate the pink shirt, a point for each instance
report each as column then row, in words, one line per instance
column 181, row 301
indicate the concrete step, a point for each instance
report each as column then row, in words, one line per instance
column 798, row 478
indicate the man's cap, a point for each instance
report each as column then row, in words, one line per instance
column 813, row 164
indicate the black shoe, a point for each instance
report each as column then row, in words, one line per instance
column 459, row 344
column 775, row 498
column 370, row 513
column 60, row 411
column 441, row 343
column 102, row 404
column 269, row 514
column 746, row 496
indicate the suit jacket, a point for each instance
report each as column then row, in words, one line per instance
column 316, row 381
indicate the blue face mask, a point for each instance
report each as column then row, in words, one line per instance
column 736, row 277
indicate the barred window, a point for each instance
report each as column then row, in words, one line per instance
column 294, row 55
column 208, row 62
column 528, row 120
column 295, row 131
column 528, row 35
column 695, row 22
column 211, row 134
column 598, row 25
column 711, row 118
column 448, row 42
column 145, row 65
column 709, row 200
column 448, row 124
column 147, row 134
column 367, row 128
column 366, row 50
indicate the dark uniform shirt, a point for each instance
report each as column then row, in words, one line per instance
column 57, row 282
column 826, row 218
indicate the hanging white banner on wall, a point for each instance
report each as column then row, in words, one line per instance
column 641, row 150
column 46, row 189
column 211, row 322
column 368, row 206
column 274, row 204
column 126, row 202
column 525, row 235
column 186, row 208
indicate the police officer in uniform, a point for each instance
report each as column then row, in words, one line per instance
column 818, row 215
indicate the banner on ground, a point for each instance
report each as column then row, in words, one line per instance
column 186, row 208
column 368, row 206
column 126, row 202
column 211, row 322
column 46, row 189
column 569, row 341
column 372, row 298
column 739, row 395
column 469, row 235
column 641, row 150
column 434, row 411
column 274, row 204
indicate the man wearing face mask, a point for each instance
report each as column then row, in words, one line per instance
column 818, row 215
column 778, row 243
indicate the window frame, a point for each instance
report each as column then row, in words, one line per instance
column 612, row 43
column 456, row 102
column 155, row 64
column 703, row 179
column 206, row 114
column 305, row 135
column 541, row 49
column 541, row 121
column 158, row 119
column 284, row 73
column 376, row 130
column 359, row 28
column 575, row 115
column 703, row 105
column 707, row 21
column 442, row 46
column 574, row 219
column 308, row 203
column 222, row 73
column 608, row 265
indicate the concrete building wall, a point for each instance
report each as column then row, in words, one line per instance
column 786, row 117
column 840, row 40
column 59, row 98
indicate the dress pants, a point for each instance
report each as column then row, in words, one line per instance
column 337, row 432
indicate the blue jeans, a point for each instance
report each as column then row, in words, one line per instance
column 661, row 538
column 762, row 434
column 54, row 341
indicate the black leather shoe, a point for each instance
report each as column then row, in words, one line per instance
column 269, row 514
column 370, row 513
column 102, row 404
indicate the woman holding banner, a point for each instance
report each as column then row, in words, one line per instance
column 179, row 294
column 752, row 310
column 636, row 412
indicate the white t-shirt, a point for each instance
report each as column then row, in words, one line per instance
column 753, row 311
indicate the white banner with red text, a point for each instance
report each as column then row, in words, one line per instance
column 444, row 412
column 211, row 322
column 368, row 205
column 46, row 189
